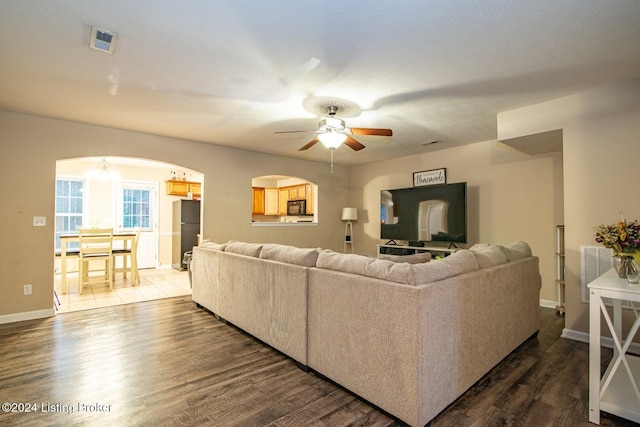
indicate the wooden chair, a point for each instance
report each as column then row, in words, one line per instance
column 129, row 253
column 96, row 244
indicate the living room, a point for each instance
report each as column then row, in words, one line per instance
column 513, row 195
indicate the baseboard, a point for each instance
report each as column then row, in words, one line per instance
column 548, row 304
column 604, row 341
column 27, row 315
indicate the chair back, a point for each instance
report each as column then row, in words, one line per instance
column 134, row 245
column 95, row 242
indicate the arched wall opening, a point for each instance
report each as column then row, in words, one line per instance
column 283, row 200
column 99, row 185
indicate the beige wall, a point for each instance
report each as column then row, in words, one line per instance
column 511, row 196
column 31, row 146
column 601, row 139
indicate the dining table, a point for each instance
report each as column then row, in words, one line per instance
column 120, row 241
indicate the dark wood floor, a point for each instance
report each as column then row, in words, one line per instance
column 168, row 363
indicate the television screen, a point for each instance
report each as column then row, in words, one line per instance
column 433, row 213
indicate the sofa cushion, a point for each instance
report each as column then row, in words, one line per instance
column 366, row 266
column 208, row 244
column 516, row 250
column 411, row 259
column 462, row 261
column 305, row 257
column 479, row 246
column 488, row 255
column 392, row 271
column 243, row 248
column 349, row 263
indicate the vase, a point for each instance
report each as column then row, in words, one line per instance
column 625, row 264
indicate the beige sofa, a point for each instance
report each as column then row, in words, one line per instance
column 409, row 338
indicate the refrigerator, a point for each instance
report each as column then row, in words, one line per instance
column 186, row 227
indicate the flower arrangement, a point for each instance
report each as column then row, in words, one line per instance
column 623, row 237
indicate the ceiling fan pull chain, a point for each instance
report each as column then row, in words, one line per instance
column 332, row 150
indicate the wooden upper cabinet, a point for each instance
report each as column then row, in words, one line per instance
column 309, row 198
column 182, row 188
column 195, row 188
column 257, row 199
column 297, row 192
column 283, row 198
column 271, row 201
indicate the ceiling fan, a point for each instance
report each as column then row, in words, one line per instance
column 332, row 132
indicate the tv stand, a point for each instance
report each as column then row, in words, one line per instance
column 402, row 250
column 391, row 242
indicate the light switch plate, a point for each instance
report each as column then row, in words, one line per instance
column 39, row 221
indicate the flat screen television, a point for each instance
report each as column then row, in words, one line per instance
column 432, row 213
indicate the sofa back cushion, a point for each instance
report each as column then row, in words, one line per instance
column 366, row 266
column 243, row 248
column 208, row 244
column 305, row 257
column 459, row 262
column 488, row 256
column 516, row 250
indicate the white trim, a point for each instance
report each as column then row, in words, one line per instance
column 27, row 315
column 607, row 342
column 548, row 303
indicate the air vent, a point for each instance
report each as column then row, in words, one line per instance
column 102, row 40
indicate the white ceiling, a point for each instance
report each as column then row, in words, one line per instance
column 232, row 72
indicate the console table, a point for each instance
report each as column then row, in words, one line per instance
column 401, row 250
column 616, row 392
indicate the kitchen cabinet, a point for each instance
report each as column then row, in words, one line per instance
column 309, row 198
column 257, row 200
column 182, row 188
column 271, row 206
column 283, row 198
column 297, row 192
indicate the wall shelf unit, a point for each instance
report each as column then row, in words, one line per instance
column 560, row 265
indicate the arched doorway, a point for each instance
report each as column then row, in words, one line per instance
column 123, row 193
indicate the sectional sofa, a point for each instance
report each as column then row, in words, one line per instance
column 408, row 338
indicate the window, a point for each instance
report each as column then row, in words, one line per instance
column 69, row 207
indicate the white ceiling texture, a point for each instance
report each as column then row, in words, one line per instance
column 233, row 72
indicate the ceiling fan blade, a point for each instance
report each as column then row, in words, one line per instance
column 296, row 131
column 372, row 131
column 309, row 144
column 353, row 144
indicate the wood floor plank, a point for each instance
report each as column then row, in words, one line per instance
column 168, row 363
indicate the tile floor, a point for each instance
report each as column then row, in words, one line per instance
column 154, row 284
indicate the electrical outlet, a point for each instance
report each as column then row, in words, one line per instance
column 39, row 221
column 28, row 289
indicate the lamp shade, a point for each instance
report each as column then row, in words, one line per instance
column 349, row 214
column 332, row 139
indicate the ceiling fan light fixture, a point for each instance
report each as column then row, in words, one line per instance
column 331, row 123
column 332, row 140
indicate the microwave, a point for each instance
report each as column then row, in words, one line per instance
column 296, row 207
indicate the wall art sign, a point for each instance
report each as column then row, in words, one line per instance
column 430, row 177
